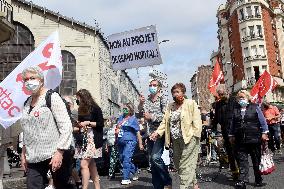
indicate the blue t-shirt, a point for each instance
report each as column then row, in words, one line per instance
column 129, row 129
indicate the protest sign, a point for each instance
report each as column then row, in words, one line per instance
column 13, row 94
column 135, row 48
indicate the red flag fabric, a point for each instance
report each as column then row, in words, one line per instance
column 216, row 78
column 264, row 84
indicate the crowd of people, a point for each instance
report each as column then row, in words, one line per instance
column 64, row 142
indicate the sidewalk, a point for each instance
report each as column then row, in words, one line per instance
column 15, row 180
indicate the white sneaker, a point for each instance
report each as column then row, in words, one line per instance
column 125, row 182
column 50, row 187
column 135, row 177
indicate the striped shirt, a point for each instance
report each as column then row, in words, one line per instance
column 42, row 134
column 156, row 109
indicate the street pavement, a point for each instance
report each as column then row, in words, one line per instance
column 209, row 177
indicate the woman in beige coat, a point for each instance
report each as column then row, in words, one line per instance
column 182, row 126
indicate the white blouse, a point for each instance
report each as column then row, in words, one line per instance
column 45, row 129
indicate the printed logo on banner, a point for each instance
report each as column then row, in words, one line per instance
column 13, row 93
column 135, row 48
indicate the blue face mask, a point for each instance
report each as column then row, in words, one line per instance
column 153, row 90
column 243, row 102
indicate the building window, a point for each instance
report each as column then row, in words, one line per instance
column 242, row 16
column 256, row 11
column 244, row 32
column 248, row 72
column 259, row 31
column 249, row 12
column 246, row 52
column 254, row 51
column 251, row 31
column 14, row 51
column 256, row 72
column 262, row 51
column 68, row 85
column 274, row 37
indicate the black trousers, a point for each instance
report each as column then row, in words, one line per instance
column 37, row 173
column 274, row 136
column 242, row 152
column 229, row 151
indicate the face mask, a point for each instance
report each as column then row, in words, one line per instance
column 153, row 90
column 243, row 102
column 78, row 102
column 32, row 85
column 125, row 111
column 178, row 99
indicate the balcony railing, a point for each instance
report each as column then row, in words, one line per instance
column 7, row 9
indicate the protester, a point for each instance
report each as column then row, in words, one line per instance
column 272, row 115
column 282, row 125
column 91, row 122
column 47, row 134
column 74, row 119
column 127, row 140
column 247, row 129
column 112, row 146
column 153, row 109
column 222, row 113
column 182, row 125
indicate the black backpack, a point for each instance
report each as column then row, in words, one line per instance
column 48, row 103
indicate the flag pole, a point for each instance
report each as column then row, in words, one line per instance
column 139, row 80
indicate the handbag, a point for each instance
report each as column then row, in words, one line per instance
column 266, row 165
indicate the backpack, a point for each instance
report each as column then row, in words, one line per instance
column 48, row 103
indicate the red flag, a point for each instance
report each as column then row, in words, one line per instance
column 216, row 78
column 264, row 84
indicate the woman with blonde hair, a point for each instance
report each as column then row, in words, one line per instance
column 247, row 130
column 90, row 123
column 182, row 125
column 47, row 134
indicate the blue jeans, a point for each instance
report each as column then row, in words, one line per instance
column 126, row 150
column 160, row 173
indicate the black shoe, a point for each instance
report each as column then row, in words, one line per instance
column 240, row 185
column 259, row 184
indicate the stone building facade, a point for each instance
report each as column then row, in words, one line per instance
column 199, row 87
column 117, row 87
column 250, row 34
column 6, row 19
column 85, row 54
column 6, row 32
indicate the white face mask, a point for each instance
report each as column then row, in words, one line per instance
column 32, row 85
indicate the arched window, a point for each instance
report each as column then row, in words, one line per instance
column 69, row 83
column 14, row 51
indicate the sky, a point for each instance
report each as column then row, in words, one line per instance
column 189, row 25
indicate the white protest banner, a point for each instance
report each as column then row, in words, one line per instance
column 13, row 93
column 135, row 48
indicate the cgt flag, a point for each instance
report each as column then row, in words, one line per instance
column 13, row 94
column 264, row 84
column 216, row 78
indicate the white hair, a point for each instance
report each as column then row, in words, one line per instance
column 34, row 69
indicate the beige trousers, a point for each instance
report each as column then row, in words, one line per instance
column 185, row 159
